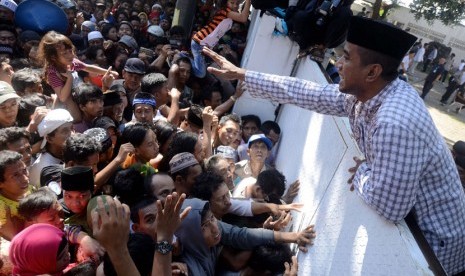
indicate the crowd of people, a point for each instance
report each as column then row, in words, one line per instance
column 117, row 160
column 120, row 154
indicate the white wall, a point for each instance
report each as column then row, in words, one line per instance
column 317, row 149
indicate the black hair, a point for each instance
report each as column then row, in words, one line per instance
column 142, row 250
column 37, row 202
column 150, row 83
column 7, row 157
column 251, row 118
column 270, row 258
column 19, row 64
column 134, row 18
column 135, row 134
column 88, row 92
column 9, row 28
column 230, row 117
column 126, row 23
column 268, row 126
column 207, row 93
column 23, row 79
column 194, row 115
column 106, row 29
column 206, row 184
column 272, row 183
column 79, row 147
column 164, row 130
column 12, row 134
column 389, row 64
column 27, row 107
column 182, row 142
column 177, row 30
column 183, row 59
column 140, row 204
column 92, row 51
column 87, row 268
column 129, row 186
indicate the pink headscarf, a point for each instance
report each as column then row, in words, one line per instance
column 34, row 250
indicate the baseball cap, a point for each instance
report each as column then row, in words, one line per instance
column 53, row 120
column 156, row 30
column 94, row 35
column 118, row 88
column 259, row 137
column 129, row 41
column 7, row 92
column 181, row 161
column 135, row 65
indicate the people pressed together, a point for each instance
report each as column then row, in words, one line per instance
column 119, row 154
column 106, row 129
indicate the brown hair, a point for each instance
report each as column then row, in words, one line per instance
column 48, row 53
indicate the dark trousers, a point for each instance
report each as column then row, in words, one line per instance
column 425, row 64
column 453, row 85
column 426, row 88
column 444, row 75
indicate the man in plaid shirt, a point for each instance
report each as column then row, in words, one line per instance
column 407, row 165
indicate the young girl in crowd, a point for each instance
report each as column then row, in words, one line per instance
column 61, row 65
column 228, row 12
column 39, row 249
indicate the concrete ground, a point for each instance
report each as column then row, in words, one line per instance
column 449, row 123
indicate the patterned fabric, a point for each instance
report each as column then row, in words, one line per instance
column 54, row 77
column 408, row 165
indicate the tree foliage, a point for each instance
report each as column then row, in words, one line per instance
column 449, row 12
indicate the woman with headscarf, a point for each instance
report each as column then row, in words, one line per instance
column 39, row 249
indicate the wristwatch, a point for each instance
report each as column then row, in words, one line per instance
column 164, row 247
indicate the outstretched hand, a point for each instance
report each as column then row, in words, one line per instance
column 169, row 216
column 227, row 70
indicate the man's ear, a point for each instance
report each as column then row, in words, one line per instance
column 135, row 227
column 374, row 72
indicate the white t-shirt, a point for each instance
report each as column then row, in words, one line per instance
column 45, row 159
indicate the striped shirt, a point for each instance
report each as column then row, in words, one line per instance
column 55, row 79
column 408, row 165
column 215, row 29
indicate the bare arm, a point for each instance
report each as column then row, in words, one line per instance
column 243, row 15
column 102, row 176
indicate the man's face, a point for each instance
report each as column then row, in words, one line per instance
column 162, row 186
column 93, row 108
column 7, row 38
column 216, row 100
column 147, row 221
column 189, row 181
column 350, row 70
column 23, row 147
column 6, row 14
column 16, row 181
column 117, row 112
column 91, row 162
column 149, row 148
column 258, row 152
column 210, row 231
column 199, row 153
column 144, row 113
column 162, row 95
column 228, row 133
column 53, row 216
column 62, row 133
column 249, row 129
column 76, row 201
column 226, row 169
column 6, row 72
column 220, row 202
column 8, row 112
column 273, row 136
column 184, row 72
column 124, row 29
column 132, row 81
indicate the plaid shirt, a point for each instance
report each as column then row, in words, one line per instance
column 408, row 164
